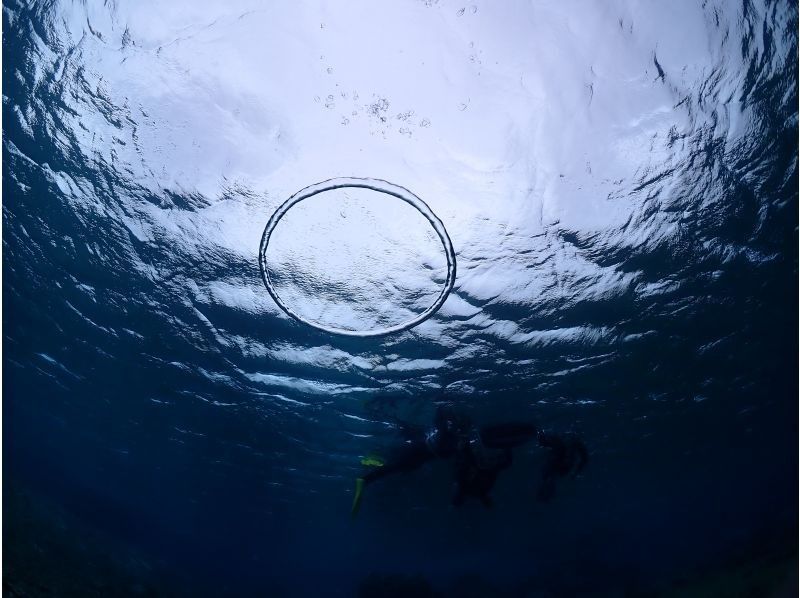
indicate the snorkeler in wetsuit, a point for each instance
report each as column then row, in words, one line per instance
column 479, row 454
column 448, row 435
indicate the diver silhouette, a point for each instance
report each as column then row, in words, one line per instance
column 478, row 454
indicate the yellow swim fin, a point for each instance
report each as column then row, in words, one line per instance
column 357, row 497
column 372, row 460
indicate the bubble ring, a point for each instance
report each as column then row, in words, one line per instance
column 379, row 186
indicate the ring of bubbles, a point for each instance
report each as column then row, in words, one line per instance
column 379, row 186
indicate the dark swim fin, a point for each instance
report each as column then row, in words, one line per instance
column 357, row 497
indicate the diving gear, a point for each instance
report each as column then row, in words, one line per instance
column 357, row 497
column 373, row 460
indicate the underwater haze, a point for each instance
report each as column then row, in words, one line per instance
column 619, row 183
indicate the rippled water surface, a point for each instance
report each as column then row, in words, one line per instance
column 619, row 181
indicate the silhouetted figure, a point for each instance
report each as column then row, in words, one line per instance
column 567, row 454
column 478, row 455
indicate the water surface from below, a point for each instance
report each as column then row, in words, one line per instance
column 619, row 181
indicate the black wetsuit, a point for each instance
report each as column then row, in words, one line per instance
column 479, row 455
column 447, row 440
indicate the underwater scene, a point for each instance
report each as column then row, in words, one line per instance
column 409, row 298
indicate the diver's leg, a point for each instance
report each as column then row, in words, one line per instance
column 566, row 454
column 554, row 464
column 410, row 457
column 489, row 478
column 365, row 479
column 581, row 454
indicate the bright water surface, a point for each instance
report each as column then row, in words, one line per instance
column 619, row 180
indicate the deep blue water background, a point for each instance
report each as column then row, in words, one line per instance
column 129, row 406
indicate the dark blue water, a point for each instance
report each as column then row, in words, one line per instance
column 620, row 185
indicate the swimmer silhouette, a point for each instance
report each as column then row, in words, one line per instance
column 478, row 455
